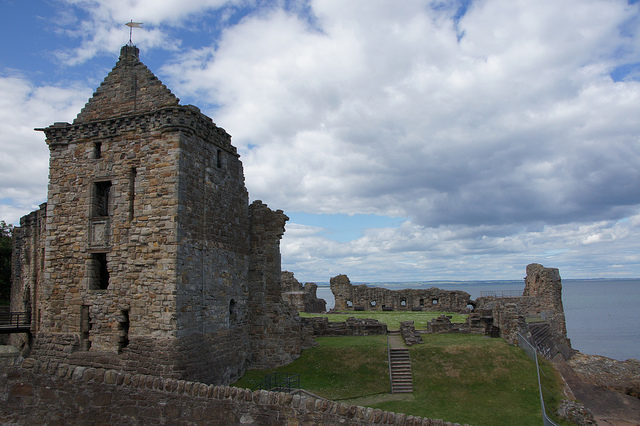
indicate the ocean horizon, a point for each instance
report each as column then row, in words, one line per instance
column 601, row 314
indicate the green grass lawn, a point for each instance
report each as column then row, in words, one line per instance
column 337, row 368
column 477, row 380
column 393, row 318
column 459, row 378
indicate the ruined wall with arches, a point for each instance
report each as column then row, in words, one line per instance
column 350, row 297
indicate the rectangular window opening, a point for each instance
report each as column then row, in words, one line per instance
column 219, row 158
column 100, row 204
column 99, row 272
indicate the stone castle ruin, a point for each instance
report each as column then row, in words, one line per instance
column 538, row 313
column 147, row 256
column 364, row 298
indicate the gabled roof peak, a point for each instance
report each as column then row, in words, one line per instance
column 130, row 88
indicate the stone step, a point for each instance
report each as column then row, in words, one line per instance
column 400, row 368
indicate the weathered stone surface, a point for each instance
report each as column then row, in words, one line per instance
column 576, row 413
column 147, row 257
column 409, row 334
column 619, row 376
column 546, row 286
column 363, row 298
column 303, row 298
column 321, row 326
column 28, row 398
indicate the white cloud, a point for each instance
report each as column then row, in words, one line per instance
column 378, row 109
column 599, row 249
column 101, row 30
column 502, row 138
column 24, row 156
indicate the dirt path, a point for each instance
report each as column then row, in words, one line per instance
column 396, row 341
column 608, row 407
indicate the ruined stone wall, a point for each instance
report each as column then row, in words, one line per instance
column 545, row 284
column 321, row 326
column 363, row 298
column 213, row 257
column 303, row 298
column 27, row 269
column 72, row 395
column 275, row 329
column 541, row 300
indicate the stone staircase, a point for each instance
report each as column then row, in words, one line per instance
column 400, row 366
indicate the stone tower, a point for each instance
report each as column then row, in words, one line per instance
column 153, row 260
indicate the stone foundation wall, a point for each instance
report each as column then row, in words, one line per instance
column 71, row 395
column 363, row 298
column 321, row 326
column 213, row 358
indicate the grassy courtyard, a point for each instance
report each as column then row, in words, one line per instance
column 393, row 318
column 459, row 378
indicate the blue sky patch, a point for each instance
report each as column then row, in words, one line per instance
column 343, row 227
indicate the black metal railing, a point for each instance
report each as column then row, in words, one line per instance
column 15, row 321
column 281, row 382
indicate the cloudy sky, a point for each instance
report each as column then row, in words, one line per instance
column 406, row 140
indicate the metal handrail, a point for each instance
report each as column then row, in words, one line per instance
column 533, row 353
column 389, row 364
column 502, row 293
column 15, row 320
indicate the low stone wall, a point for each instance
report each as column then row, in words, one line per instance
column 320, row 326
column 409, row 333
column 476, row 324
column 70, row 395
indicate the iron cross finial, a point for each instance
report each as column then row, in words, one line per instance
column 131, row 26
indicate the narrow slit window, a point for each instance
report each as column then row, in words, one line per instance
column 233, row 312
column 123, row 327
column 219, row 158
column 132, row 192
column 97, row 150
column 85, row 328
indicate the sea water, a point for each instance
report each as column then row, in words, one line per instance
column 602, row 316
